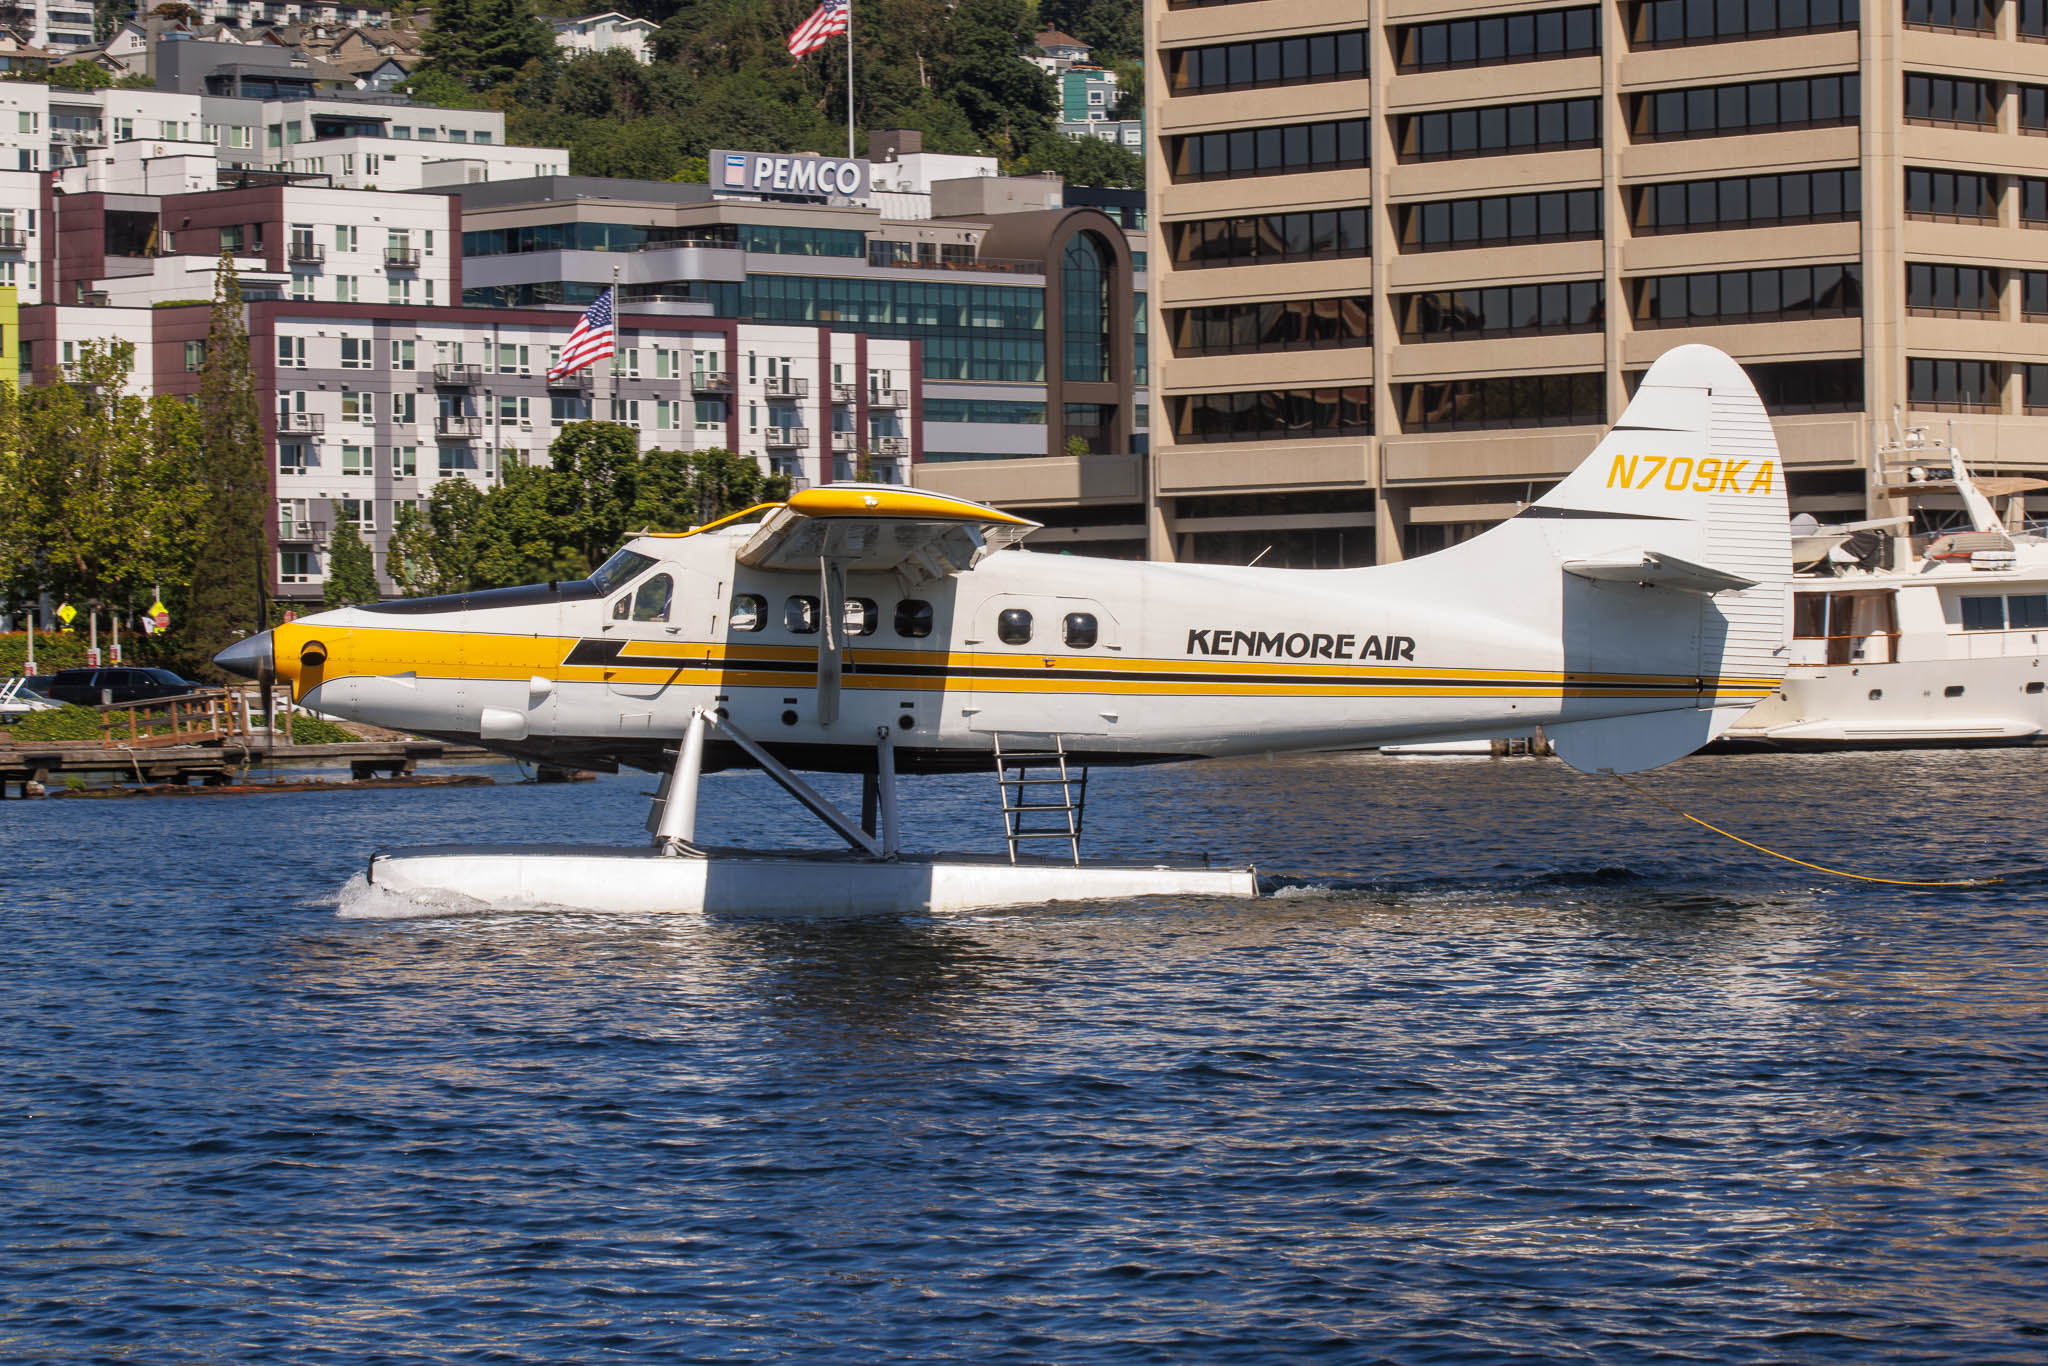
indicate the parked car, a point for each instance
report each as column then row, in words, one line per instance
column 91, row 687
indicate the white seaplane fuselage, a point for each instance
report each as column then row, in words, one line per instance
column 1633, row 612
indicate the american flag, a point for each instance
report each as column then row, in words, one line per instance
column 591, row 341
column 833, row 16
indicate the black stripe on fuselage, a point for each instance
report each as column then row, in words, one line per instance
column 606, row 653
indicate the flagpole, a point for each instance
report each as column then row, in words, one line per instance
column 849, row 80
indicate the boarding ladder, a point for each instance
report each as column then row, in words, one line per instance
column 1043, row 798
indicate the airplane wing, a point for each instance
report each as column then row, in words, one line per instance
column 873, row 528
column 877, row 528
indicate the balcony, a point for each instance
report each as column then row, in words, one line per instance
column 13, row 239
column 844, row 443
column 302, row 533
column 711, row 382
column 845, row 393
column 458, row 376
column 302, row 424
column 887, row 398
column 401, row 258
column 575, row 382
column 786, row 386
column 303, row 253
column 786, row 438
column 457, row 428
column 892, row 447
column 78, row 137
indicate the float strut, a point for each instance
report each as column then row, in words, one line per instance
column 819, row 805
column 885, row 786
column 678, row 825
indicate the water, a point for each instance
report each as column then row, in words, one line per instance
column 1520, row 1068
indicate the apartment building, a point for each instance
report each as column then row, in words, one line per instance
column 379, row 384
column 1023, row 309
column 1414, row 254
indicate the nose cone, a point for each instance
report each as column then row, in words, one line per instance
column 249, row 658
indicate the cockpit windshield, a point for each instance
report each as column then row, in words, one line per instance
column 619, row 568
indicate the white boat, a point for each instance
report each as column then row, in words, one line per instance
column 1930, row 641
column 18, row 699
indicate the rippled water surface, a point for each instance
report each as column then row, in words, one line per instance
column 1520, row 1068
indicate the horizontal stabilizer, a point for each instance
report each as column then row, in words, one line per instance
column 1654, row 569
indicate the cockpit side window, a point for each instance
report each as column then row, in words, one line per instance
column 651, row 601
column 623, row 606
column 619, row 569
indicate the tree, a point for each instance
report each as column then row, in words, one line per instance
column 230, row 583
column 351, row 569
column 1085, row 161
column 430, row 552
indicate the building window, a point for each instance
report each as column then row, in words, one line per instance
column 1956, row 386
column 1951, row 291
column 356, row 460
column 1498, row 39
column 403, row 354
column 1450, row 224
column 2034, row 389
column 1959, row 16
column 563, row 409
column 344, row 289
column 1278, row 149
column 1748, row 202
column 358, row 406
column 1747, row 296
column 1272, row 415
column 1501, row 129
column 356, row 353
column 1325, row 234
column 291, row 352
column 1951, row 196
column 293, row 457
column 2034, row 20
column 1678, row 23
column 710, row 414
column 1809, row 386
column 405, row 408
column 1950, row 101
column 1520, row 401
column 1300, row 60
column 1503, row 311
column 2034, row 295
column 195, row 354
column 1754, row 107
column 1085, row 274
column 2033, row 202
column 1281, row 325
column 358, row 512
column 405, row 462
column 297, row 566
column 2033, row 108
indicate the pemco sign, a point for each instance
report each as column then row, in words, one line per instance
column 803, row 177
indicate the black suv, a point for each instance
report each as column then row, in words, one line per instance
column 85, row 686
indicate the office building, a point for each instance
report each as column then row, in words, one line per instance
column 1413, row 254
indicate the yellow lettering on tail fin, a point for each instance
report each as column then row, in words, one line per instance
column 1622, row 473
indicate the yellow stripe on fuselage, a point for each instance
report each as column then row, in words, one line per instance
column 357, row 651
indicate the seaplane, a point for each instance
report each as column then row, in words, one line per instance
column 1629, row 616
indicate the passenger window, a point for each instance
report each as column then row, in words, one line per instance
column 913, row 619
column 800, row 616
column 1013, row 626
column 749, row 612
column 651, row 603
column 862, row 616
column 2027, row 611
column 1080, row 630
column 2035, row 689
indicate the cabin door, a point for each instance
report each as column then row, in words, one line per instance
column 660, row 628
column 1037, row 666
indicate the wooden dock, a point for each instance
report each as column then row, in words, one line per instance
column 204, row 738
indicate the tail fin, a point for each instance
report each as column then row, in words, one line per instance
column 1674, row 538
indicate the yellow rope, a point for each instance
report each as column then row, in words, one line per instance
column 1818, row 868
